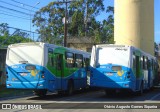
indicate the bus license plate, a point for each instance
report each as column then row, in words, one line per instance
column 23, row 74
column 109, row 74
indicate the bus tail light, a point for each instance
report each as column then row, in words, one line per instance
column 43, row 76
column 128, row 76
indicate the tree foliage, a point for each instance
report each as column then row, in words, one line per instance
column 108, row 27
column 156, row 48
column 7, row 39
column 83, row 21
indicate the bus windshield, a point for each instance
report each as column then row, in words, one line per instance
column 25, row 54
column 113, row 55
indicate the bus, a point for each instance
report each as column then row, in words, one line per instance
column 117, row 68
column 45, row 67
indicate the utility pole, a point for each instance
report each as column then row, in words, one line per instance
column 86, row 18
column 66, row 17
column 65, row 23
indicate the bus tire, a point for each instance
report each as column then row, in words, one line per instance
column 70, row 88
column 40, row 93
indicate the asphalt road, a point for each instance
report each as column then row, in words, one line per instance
column 89, row 100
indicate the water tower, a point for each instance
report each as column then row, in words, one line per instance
column 134, row 24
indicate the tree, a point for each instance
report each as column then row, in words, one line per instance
column 4, row 29
column 6, row 39
column 49, row 19
column 156, row 48
column 108, row 27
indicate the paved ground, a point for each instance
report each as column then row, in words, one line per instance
column 93, row 100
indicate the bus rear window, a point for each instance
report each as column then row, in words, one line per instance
column 30, row 67
column 116, row 68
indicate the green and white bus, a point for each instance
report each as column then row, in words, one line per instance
column 46, row 67
column 121, row 67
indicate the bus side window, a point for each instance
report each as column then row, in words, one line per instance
column 86, row 63
column 134, row 61
column 50, row 57
column 148, row 64
column 143, row 62
column 59, row 63
column 69, row 60
column 51, row 61
column 79, row 60
column 152, row 64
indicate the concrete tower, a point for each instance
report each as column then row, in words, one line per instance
column 134, row 24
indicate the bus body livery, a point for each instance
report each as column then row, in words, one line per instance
column 46, row 67
column 119, row 67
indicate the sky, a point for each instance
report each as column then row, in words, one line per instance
column 22, row 19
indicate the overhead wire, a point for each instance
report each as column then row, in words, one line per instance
column 22, row 30
column 25, row 4
column 13, row 16
column 15, row 33
column 15, row 5
column 9, row 14
column 15, row 10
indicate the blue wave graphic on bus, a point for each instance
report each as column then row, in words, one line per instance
column 40, row 78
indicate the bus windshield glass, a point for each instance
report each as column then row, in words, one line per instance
column 25, row 54
column 113, row 55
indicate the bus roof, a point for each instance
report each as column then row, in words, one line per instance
column 129, row 46
column 49, row 45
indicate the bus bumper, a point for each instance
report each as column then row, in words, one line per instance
column 112, row 85
column 26, row 85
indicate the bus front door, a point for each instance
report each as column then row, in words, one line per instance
column 59, row 70
column 137, row 72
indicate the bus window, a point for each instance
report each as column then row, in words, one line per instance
column 50, row 57
column 143, row 62
column 59, row 61
column 146, row 65
column 152, row 65
column 78, row 60
column 51, row 61
column 86, row 62
column 134, row 61
column 69, row 60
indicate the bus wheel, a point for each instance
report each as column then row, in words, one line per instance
column 70, row 88
column 40, row 93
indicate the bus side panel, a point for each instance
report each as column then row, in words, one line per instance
column 79, row 78
column 50, row 80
